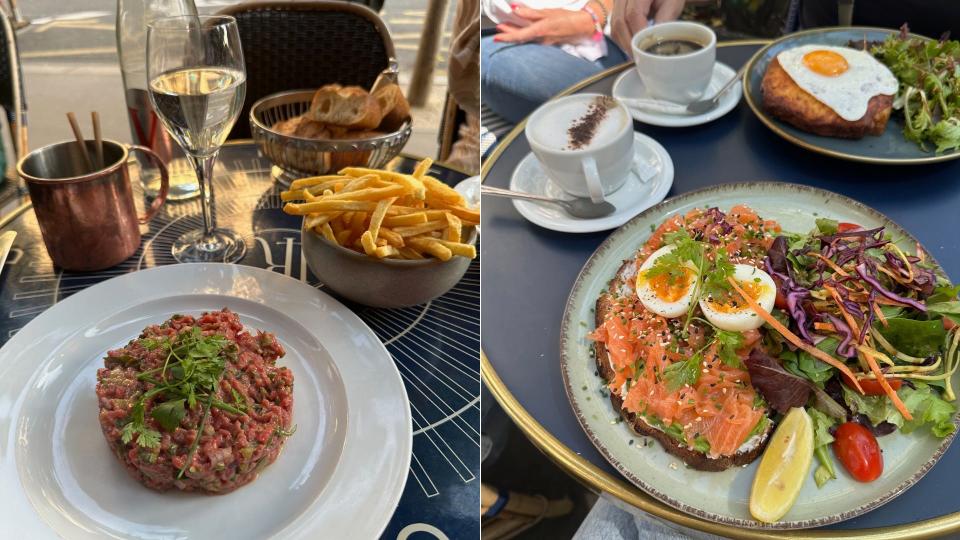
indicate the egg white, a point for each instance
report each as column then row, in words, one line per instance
column 848, row 93
column 744, row 318
column 655, row 303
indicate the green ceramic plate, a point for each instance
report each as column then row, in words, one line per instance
column 723, row 497
column 889, row 148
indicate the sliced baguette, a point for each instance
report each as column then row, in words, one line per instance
column 622, row 285
column 396, row 109
column 346, row 106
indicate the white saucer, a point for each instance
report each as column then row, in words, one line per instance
column 631, row 199
column 628, row 85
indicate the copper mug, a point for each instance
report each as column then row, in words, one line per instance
column 87, row 218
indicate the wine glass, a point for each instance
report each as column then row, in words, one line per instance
column 197, row 86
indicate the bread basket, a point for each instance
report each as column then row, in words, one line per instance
column 299, row 157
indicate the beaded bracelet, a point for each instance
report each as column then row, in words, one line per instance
column 597, row 27
column 603, row 10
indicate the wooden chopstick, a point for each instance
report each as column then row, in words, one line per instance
column 95, row 118
column 72, row 118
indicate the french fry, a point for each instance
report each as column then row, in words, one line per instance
column 367, row 194
column 337, row 225
column 410, row 253
column 327, row 232
column 377, row 218
column 461, row 249
column 313, row 181
column 431, row 246
column 316, row 220
column 391, row 237
column 438, row 190
column 386, row 251
column 357, row 184
column 381, row 242
column 357, row 224
column 343, row 237
column 369, row 246
column 454, row 228
column 415, row 186
column 422, row 168
column 405, row 220
column 326, row 193
column 328, row 206
column 420, row 229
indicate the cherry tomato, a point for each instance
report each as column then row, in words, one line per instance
column 871, row 387
column 844, row 226
column 948, row 323
column 858, row 451
column 781, row 302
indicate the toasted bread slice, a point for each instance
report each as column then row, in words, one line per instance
column 784, row 99
column 394, row 105
column 346, row 106
column 623, row 285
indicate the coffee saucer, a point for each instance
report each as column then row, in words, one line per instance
column 629, row 86
column 633, row 197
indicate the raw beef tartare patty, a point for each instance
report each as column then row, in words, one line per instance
column 196, row 404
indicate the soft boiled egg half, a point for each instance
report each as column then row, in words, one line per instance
column 841, row 78
column 669, row 294
column 732, row 313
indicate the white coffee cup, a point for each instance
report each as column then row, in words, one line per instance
column 680, row 78
column 597, row 168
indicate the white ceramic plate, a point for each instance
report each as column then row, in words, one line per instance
column 339, row 476
column 724, row 496
column 628, row 85
column 631, row 199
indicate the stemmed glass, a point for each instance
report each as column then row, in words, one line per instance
column 197, row 86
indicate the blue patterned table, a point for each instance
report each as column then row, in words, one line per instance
column 435, row 345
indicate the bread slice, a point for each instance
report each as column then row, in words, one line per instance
column 622, row 285
column 346, row 106
column 395, row 107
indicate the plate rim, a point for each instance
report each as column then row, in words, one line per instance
column 774, row 125
column 567, row 328
column 683, row 121
column 296, row 527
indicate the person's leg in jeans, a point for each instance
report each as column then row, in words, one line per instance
column 516, row 78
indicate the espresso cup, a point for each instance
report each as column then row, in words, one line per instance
column 680, row 78
column 597, row 168
column 87, row 218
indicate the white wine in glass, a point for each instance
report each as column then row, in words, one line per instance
column 197, row 86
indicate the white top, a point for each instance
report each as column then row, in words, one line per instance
column 499, row 12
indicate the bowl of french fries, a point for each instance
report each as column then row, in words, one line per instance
column 383, row 238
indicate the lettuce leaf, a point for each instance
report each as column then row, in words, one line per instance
column 916, row 338
column 821, row 442
column 803, row 364
column 924, row 404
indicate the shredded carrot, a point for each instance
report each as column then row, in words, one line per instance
column 846, row 316
column 880, row 317
column 779, row 327
column 875, row 368
column 825, row 326
column 831, row 264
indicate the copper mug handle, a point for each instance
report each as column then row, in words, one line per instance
column 164, row 182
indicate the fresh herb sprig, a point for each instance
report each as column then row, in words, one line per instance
column 189, row 377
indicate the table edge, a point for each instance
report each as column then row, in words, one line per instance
column 599, row 479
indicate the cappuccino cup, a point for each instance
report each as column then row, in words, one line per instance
column 586, row 152
column 675, row 60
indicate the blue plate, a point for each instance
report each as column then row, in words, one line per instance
column 889, row 148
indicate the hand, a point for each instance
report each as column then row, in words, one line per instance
column 547, row 26
column 631, row 16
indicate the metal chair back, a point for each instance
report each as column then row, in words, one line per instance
column 11, row 86
column 305, row 45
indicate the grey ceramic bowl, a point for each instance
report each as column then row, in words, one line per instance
column 383, row 283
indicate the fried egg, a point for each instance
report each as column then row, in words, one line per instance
column 668, row 294
column 841, row 78
column 732, row 313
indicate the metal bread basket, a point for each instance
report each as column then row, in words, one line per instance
column 299, row 157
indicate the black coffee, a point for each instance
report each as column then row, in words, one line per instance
column 673, row 47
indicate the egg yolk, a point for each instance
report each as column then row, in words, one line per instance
column 826, row 63
column 732, row 304
column 670, row 289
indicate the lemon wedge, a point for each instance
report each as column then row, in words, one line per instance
column 783, row 468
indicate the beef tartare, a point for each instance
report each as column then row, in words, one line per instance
column 196, row 404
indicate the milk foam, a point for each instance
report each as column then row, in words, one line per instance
column 555, row 119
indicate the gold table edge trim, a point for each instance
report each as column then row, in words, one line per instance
column 598, row 479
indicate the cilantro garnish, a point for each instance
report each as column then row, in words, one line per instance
column 728, row 343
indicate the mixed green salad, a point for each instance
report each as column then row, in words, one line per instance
column 888, row 317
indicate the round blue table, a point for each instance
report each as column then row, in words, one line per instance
column 530, row 271
column 434, row 345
